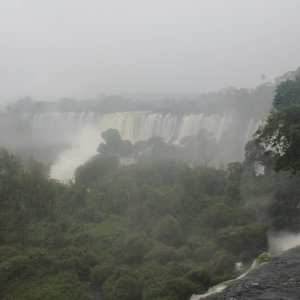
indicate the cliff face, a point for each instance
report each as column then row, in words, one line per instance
column 278, row 279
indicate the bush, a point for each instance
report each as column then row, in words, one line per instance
column 100, row 273
column 168, row 231
column 183, row 253
column 35, row 264
column 158, row 291
column 251, row 237
column 64, row 286
column 149, row 270
column 78, row 261
column 7, row 252
column 182, row 288
column 262, row 258
column 95, row 169
column 162, row 254
column 204, row 253
column 135, row 247
column 201, row 277
column 125, row 287
column 174, row 288
column 17, row 267
column 222, row 262
column 175, row 269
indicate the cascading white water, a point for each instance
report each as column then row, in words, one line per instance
column 251, row 128
column 83, row 131
column 215, row 124
column 83, row 146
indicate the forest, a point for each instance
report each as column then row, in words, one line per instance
column 158, row 229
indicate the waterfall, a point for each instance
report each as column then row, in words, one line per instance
column 251, row 129
column 82, row 131
column 135, row 126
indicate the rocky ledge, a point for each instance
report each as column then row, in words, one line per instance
column 279, row 279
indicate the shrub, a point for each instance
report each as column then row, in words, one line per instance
column 205, row 252
column 251, row 237
column 135, row 247
column 263, row 257
column 158, row 291
column 170, row 288
column 7, row 252
column 201, row 277
column 168, row 231
column 16, row 267
column 100, row 273
column 36, row 264
column 77, row 261
column 125, row 287
column 183, row 253
column 222, row 262
column 162, row 254
column 64, row 286
column 182, row 288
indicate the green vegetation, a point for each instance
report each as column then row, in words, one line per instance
column 159, row 230
column 155, row 230
column 145, row 231
column 262, row 258
column 282, row 130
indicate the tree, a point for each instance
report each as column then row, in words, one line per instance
column 168, row 231
column 95, row 169
column 114, row 145
column 281, row 134
column 10, row 170
column 21, row 224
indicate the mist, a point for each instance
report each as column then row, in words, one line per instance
column 54, row 49
column 148, row 148
column 282, row 241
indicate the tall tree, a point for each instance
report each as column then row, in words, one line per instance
column 281, row 134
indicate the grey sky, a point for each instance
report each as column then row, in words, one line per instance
column 80, row 48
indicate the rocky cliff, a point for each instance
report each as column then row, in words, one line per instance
column 278, row 279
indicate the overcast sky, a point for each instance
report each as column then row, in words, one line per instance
column 81, row 48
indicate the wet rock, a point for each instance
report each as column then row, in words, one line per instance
column 278, row 279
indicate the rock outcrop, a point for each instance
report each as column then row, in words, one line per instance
column 278, row 279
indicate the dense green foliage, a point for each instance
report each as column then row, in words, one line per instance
column 281, row 133
column 262, row 258
column 153, row 230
